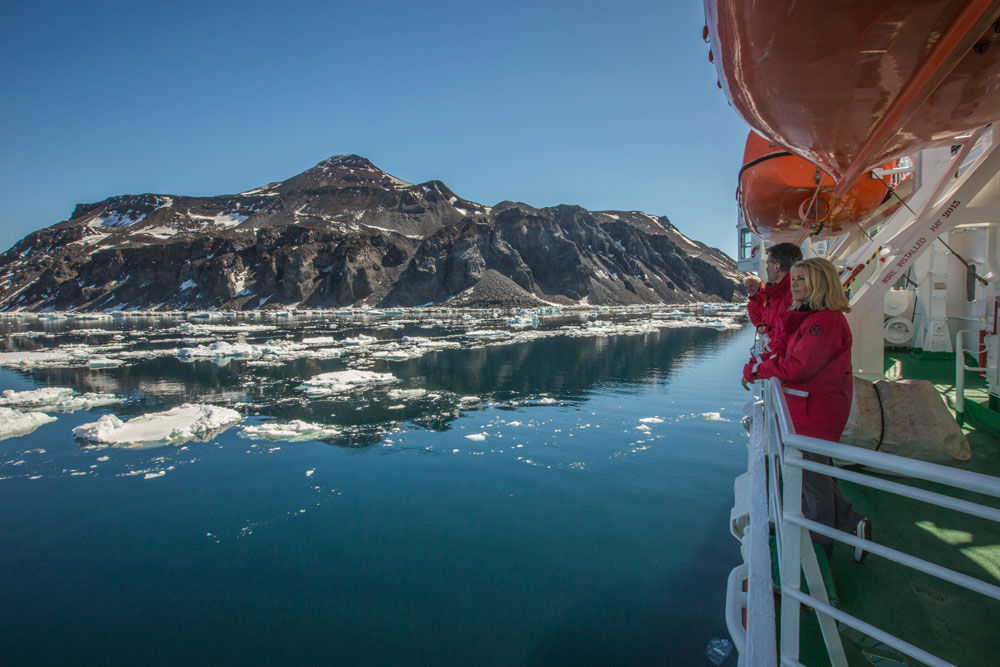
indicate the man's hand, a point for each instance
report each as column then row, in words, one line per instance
column 746, row 383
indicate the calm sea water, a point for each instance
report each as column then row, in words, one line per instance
column 566, row 531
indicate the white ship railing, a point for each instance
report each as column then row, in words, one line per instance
column 781, row 449
column 960, row 368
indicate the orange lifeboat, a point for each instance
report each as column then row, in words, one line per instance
column 849, row 85
column 786, row 198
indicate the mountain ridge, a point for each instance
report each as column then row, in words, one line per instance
column 343, row 233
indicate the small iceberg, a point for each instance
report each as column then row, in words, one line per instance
column 221, row 349
column 55, row 399
column 407, row 394
column 319, row 340
column 339, row 382
column 34, row 397
column 718, row 650
column 14, row 423
column 104, row 362
column 358, row 341
column 171, row 427
column 487, row 333
column 293, row 431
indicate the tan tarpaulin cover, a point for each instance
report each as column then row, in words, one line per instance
column 918, row 424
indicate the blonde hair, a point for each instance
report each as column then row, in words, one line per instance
column 823, row 285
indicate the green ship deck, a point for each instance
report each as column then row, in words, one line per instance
column 955, row 624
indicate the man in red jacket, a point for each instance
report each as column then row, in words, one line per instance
column 777, row 295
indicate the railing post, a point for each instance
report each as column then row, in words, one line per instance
column 760, row 646
column 959, row 379
column 791, row 549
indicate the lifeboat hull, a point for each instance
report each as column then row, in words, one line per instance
column 785, row 198
column 852, row 84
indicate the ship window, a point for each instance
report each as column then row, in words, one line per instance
column 745, row 244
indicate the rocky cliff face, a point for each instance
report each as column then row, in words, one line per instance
column 346, row 233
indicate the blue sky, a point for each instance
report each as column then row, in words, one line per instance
column 605, row 105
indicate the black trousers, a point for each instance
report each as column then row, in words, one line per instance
column 824, row 502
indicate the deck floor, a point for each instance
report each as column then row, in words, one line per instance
column 957, row 625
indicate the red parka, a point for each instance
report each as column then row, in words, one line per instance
column 755, row 307
column 815, row 371
column 777, row 299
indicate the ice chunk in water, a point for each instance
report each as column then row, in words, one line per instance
column 338, row 382
column 174, row 426
column 55, row 399
column 82, row 402
column 718, row 650
column 33, row 397
column 292, row 431
column 104, row 362
column 713, row 417
column 407, row 394
column 14, row 423
column 487, row 333
column 319, row 340
column 361, row 339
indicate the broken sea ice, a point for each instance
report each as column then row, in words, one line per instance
column 171, row 427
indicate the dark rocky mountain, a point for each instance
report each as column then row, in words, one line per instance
column 346, row 233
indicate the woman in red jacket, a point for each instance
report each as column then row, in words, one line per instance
column 815, row 373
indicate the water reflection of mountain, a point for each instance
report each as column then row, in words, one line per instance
column 563, row 368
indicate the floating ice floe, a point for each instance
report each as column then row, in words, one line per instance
column 55, row 399
column 651, row 420
column 319, row 340
column 713, row 417
column 412, row 348
column 522, row 322
column 358, row 340
column 338, row 382
column 14, row 423
column 406, row 394
column 192, row 329
column 104, row 362
column 58, row 357
column 478, row 437
column 221, row 349
column 393, row 352
column 487, row 333
column 34, row 397
column 718, row 650
column 175, row 426
column 293, row 431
